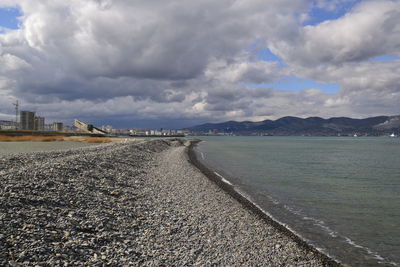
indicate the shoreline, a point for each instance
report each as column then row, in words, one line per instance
column 225, row 185
column 130, row 204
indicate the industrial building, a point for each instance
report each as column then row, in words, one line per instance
column 30, row 122
column 27, row 120
column 39, row 124
column 58, row 126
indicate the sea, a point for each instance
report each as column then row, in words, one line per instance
column 10, row 148
column 339, row 194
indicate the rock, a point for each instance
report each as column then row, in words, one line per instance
column 130, row 204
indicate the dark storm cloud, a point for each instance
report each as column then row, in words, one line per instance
column 189, row 59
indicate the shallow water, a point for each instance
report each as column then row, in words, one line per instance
column 7, row 148
column 341, row 194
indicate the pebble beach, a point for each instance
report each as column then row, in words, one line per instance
column 131, row 204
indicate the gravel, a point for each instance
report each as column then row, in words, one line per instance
column 129, row 204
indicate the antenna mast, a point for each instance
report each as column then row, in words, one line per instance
column 16, row 114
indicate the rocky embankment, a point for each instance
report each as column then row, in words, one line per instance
column 127, row 205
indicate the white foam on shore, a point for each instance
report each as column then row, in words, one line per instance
column 322, row 225
column 223, row 179
column 316, row 222
column 276, row 202
column 332, row 233
column 249, row 198
column 370, row 252
column 319, row 223
column 246, row 196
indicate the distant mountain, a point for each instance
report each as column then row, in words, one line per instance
column 309, row 126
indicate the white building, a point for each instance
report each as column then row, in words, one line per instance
column 8, row 125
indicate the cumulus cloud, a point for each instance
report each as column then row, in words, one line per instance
column 243, row 69
column 371, row 29
column 341, row 51
column 189, row 60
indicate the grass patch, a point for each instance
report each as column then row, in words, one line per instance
column 30, row 138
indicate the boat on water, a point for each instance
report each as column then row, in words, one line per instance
column 393, row 135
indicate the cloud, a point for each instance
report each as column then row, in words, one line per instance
column 84, row 40
column 340, row 51
column 188, row 60
column 371, row 29
column 243, row 69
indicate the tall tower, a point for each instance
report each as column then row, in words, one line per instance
column 16, row 114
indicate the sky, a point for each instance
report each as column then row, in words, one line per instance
column 177, row 63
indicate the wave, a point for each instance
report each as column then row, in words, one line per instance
column 370, row 252
column 223, row 179
column 314, row 221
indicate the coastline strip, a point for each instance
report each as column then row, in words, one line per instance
column 247, row 203
column 136, row 203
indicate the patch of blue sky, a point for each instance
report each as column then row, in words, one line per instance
column 266, row 55
column 9, row 18
column 297, row 84
column 318, row 15
column 385, row 58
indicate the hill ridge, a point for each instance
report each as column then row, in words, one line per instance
column 291, row 125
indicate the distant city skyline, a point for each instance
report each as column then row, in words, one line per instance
column 175, row 64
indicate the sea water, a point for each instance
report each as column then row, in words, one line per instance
column 341, row 194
